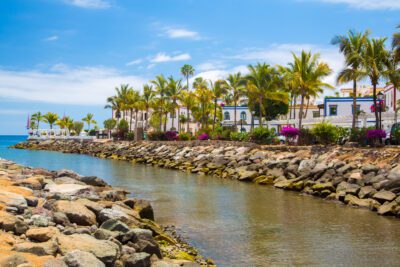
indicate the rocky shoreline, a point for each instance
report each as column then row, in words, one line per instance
column 60, row 218
column 364, row 178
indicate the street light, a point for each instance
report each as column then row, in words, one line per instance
column 380, row 99
column 252, row 119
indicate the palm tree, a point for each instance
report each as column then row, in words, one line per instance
column 114, row 103
column 89, row 120
column 374, row 62
column 50, row 118
column 263, row 82
column 396, row 42
column 308, row 73
column 188, row 99
column 204, row 97
column 65, row 122
column 393, row 75
column 37, row 117
column 174, row 90
column 352, row 46
column 161, row 86
column 187, row 71
column 235, row 85
column 132, row 104
column 148, row 97
column 218, row 89
column 289, row 86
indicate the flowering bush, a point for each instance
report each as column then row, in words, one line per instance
column 376, row 134
column 290, row 132
column 204, row 136
column 171, row 135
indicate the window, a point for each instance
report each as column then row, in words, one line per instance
column 358, row 109
column 316, row 114
column 172, row 115
column 333, row 110
column 243, row 116
column 227, row 116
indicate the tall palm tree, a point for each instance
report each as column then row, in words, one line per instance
column 161, row 87
column 352, row 46
column 394, row 69
column 187, row 71
column 396, row 42
column 204, row 97
column 37, row 118
column 289, row 86
column 148, row 97
column 89, row 119
column 175, row 88
column 218, row 89
column 133, row 104
column 188, row 99
column 65, row 122
column 309, row 75
column 263, row 82
column 236, row 85
column 374, row 62
column 50, row 118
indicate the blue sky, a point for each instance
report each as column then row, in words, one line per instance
column 67, row 56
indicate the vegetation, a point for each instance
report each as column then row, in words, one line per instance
column 78, row 127
column 325, row 133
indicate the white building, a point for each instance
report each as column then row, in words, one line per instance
column 243, row 118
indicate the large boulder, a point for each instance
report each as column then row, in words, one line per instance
column 104, row 250
column 245, row 175
column 136, row 260
column 78, row 258
column 76, row 212
column 93, row 180
column 67, row 189
column 40, row 249
column 13, row 200
column 42, row 234
column 383, row 196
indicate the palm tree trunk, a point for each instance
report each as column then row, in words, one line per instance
column 130, row 122
column 353, row 124
column 291, row 106
column 173, row 119
column 301, row 111
column 136, row 125
column 215, row 113
column 165, row 122
column 395, row 103
column 308, row 104
column 187, row 118
column 376, row 108
column 147, row 118
column 260, row 118
column 234, row 115
column 294, row 107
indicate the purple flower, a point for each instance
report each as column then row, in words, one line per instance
column 171, row 135
column 204, row 136
column 376, row 134
column 290, row 132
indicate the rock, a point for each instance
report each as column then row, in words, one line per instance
column 13, row 200
column 323, row 186
column 355, row 177
column 388, row 209
column 144, row 208
column 366, row 192
column 104, row 234
column 104, row 250
column 91, row 205
column 136, row 260
column 136, row 234
column 115, row 225
column 369, row 168
column 42, row 234
column 55, row 263
column 394, row 173
column 67, row 189
column 355, row 201
column 39, row 249
column 20, row 227
column 93, row 180
column 13, row 260
column 383, row 196
column 352, row 189
column 78, row 258
column 7, row 221
column 247, row 175
column 76, row 212
column 61, row 218
column 150, row 247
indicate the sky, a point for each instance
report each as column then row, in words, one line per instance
column 67, row 56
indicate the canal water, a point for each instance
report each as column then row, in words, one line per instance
column 239, row 224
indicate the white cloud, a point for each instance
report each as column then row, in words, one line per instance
column 365, row 4
column 134, row 62
column 51, row 38
column 211, row 65
column 175, row 33
column 163, row 57
column 64, row 85
column 218, row 74
column 13, row 112
column 94, row 4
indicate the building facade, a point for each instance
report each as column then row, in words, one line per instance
column 244, row 118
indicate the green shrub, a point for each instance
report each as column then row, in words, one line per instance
column 130, row 136
column 184, row 137
column 157, row 136
column 92, row 132
column 325, row 133
column 78, row 126
column 306, row 137
column 262, row 135
column 359, row 135
column 236, row 136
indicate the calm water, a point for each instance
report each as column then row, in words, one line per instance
column 240, row 224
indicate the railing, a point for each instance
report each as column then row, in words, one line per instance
column 47, row 134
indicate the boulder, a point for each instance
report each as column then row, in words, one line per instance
column 323, row 186
column 104, row 250
column 355, row 201
column 369, row 168
column 383, row 196
column 13, row 200
column 76, row 212
column 7, row 221
column 115, row 225
column 40, row 220
column 67, row 180
column 67, row 189
column 143, row 207
column 366, row 192
column 93, row 180
column 388, row 208
column 245, row 175
column 136, row 234
column 42, row 234
column 136, row 260
column 13, row 260
column 78, row 258
column 39, row 249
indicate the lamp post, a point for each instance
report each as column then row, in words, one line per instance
column 252, row 119
column 380, row 99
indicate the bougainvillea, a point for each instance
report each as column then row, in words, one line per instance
column 171, row 135
column 204, row 136
column 376, row 134
column 290, row 132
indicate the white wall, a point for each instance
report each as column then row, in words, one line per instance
column 345, row 105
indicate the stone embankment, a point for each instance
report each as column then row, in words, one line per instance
column 59, row 218
column 365, row 178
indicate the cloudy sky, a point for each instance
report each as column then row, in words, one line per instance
column 67, row 56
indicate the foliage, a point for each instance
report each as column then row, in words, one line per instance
column 359, row 135
column 290, row 132
column 89, row 119
column 343, row 134
column 325, row 133
column 130, row 136
column 184, row 137
column 375, row 134
column 123, row 129
column 171, row 136
column 157, row 136
column 306, row 137
column 203, row 136
column 50, row 118
column 92, row 132
column 238, row 136
column 110, row 124
column 262, row 135
column 78, row 126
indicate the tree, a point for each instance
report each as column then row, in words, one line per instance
column 393, row 75
column 352, row 46
column 188, row 99
column 218, row 89
column 161, row 87
column 65, row 122
column 396, row 42
column 308, row 76
column 109, row 125
column 374, row 62
column 148, row 99
column 174, row 90
column 89, row 120
column 78, row 126
column 133, row 104
column 50, row 118
column 204, row 97
column 236, row 86
column 37, row 118
column 187, row 71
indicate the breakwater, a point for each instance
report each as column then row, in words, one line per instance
column 365, row 178
column 60, row 218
